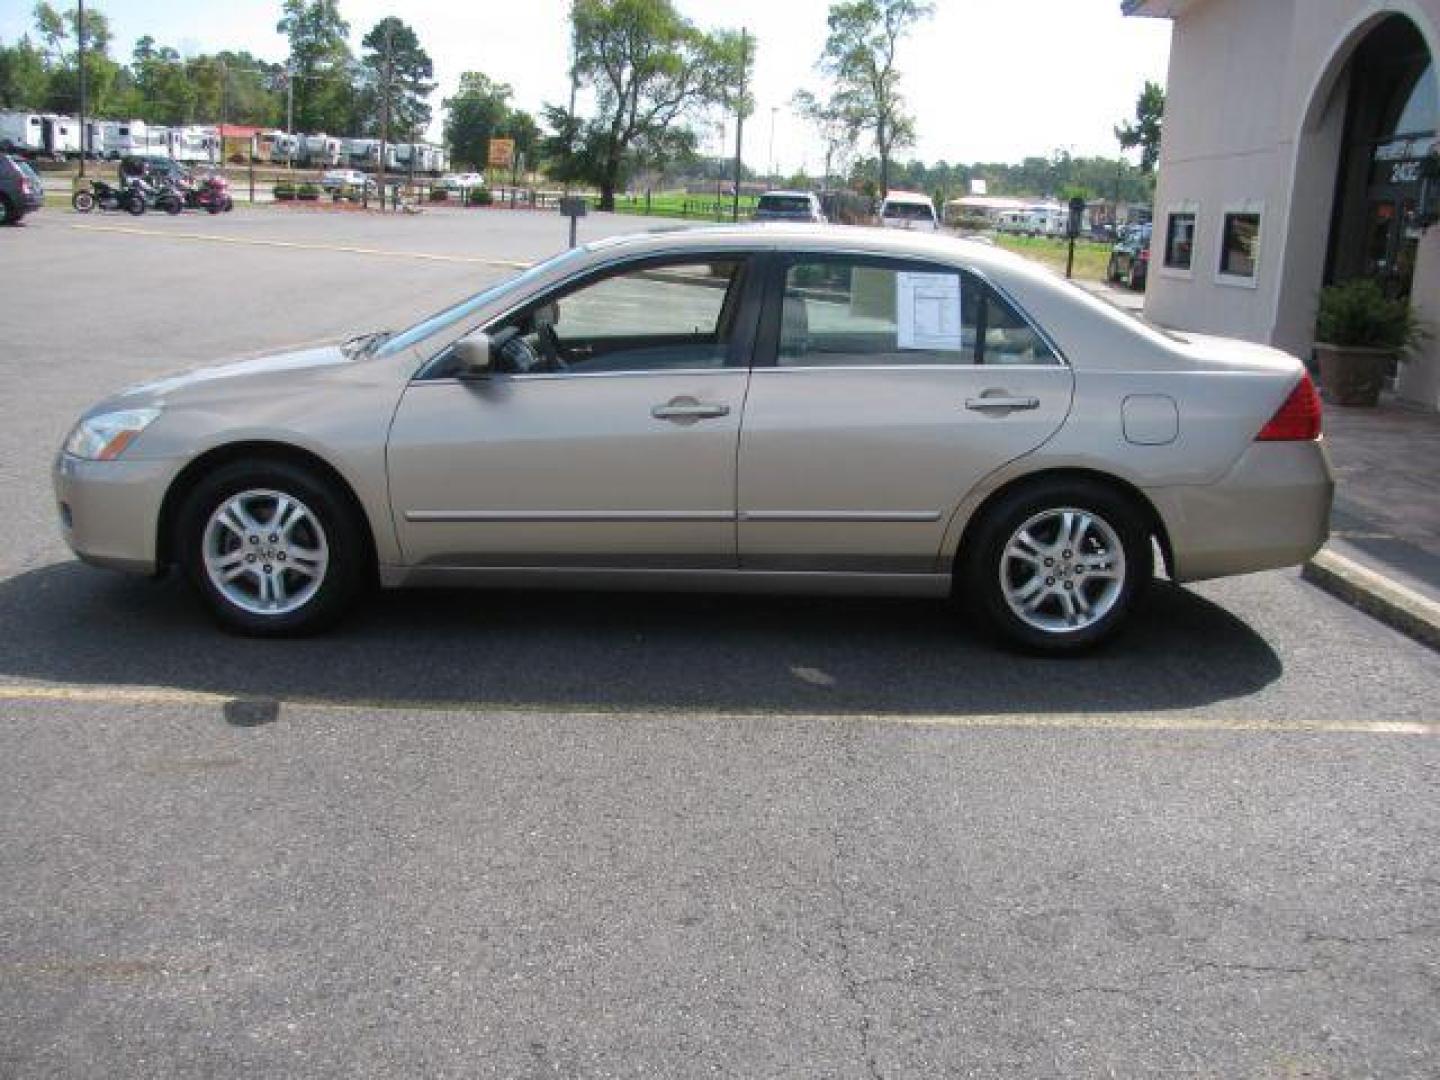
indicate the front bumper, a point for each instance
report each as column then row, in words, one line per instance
column 1271, row 510
column 110, row 510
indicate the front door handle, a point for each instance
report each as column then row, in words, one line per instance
column 688, row 409
column 1001, row 401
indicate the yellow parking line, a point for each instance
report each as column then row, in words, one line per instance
column 1143, row 721
column 347, row 249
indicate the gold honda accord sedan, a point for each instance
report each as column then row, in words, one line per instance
column 778, row 408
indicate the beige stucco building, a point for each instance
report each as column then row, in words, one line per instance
column 1295, row 139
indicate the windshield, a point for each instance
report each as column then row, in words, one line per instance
column 909, row 211
column 446, row 319
column 785, row 204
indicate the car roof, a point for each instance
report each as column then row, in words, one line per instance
column 909, row 197
column 789, row 194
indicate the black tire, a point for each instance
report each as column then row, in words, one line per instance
column 229, row 204
column 135, row 204
column 212, row 207
column 983, row 563
column 1112, row 272
column 172, row 205
column 343, row 531
column 1137, row 278
column 7, row 212
column 83, row 201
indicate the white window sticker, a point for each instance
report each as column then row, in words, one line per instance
column 928, row 310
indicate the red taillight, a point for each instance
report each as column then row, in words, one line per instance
column 1298, row 419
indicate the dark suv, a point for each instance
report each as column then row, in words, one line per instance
column 21, row 192
column 1130, row 257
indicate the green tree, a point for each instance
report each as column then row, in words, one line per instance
column 60, row 33
column 859, row 57
column 396, row 68
column 1144, row 131
column 24, row 79
column 652, row 71
column 320, row 63
column 474, row 116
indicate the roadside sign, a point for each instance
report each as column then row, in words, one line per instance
column 502, row 153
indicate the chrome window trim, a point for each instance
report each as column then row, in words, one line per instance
column 552, row 376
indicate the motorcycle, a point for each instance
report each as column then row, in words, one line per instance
column 108, row 197
column 159, row 197
column 208, row 193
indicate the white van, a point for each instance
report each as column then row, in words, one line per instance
column 908, row 210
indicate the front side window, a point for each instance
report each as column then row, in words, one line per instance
column 1180, row 241
column 1240, row 245
column 652, row 318
column 848, row 312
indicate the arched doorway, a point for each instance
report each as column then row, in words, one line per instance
column 1391, row 118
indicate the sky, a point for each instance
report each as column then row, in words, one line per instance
column 987, row 80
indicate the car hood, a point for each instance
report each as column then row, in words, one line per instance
column 235, row 378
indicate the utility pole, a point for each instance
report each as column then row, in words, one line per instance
column 80, row 39
column 570, row 119
column 290, row 111
column 384, row 110
column 740, row 121
column 774, row 110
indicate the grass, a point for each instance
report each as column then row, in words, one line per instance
column 1091, row 258
column 679, row 204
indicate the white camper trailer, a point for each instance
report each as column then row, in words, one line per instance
column 319, row 151
column 22, row 132
column 361, row 153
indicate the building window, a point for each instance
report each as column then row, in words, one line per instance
column 1240, row 244
column 1180, row 240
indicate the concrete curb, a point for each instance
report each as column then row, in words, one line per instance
column 1393, row 604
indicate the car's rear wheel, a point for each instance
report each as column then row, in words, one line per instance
column 83, row 201
column 273, row 549
column 1056, row 567
column 7, row 212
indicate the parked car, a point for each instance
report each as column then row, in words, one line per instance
column 909, row 210
column 21, row 191
column 338, row 179
column 789, row 206
column 1130, row 257
column 794, row 408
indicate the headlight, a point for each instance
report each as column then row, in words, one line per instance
column 105, row 437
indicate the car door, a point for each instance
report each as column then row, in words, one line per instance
column 884, row 390
column 604, row 434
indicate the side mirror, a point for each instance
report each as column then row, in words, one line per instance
column 473, row 355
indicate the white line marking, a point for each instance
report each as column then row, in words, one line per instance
column 347, row 249
column 160, row 696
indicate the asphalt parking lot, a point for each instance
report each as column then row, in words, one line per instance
column 560, row 834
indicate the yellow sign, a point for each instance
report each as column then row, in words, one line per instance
column 502, row 152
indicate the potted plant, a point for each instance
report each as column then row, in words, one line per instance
column 1360, row 333
column 479, row 196
column 308, row 192
column 284, row 191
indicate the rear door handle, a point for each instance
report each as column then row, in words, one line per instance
column 688, row 409
column 998, row 401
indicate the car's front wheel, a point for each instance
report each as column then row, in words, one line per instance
column 1057, row 566
column 273, row 549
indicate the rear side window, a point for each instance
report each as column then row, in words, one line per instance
column 785, row 204
column 909, row 211
column 850, row 312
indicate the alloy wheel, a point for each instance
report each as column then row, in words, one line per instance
column 265, row 552
column 1062, row 570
